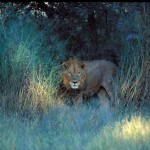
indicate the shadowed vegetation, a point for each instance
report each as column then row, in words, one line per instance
column 36, row 111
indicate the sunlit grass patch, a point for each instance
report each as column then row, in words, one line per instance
column 124, row 135
column 41, row 92
column 137, row 130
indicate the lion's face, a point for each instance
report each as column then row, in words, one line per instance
column 74, row 74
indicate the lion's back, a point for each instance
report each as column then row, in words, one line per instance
column 100, row 66
column 97, row 71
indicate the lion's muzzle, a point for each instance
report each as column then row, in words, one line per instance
column 74, row 84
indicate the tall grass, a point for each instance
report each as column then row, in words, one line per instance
column 29, row 76
column 134, row 73
column 40, row 93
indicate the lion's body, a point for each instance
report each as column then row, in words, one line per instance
column 98, row 72
column 93, row 75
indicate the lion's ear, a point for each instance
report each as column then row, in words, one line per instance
column 64, row 66
column 83, row 65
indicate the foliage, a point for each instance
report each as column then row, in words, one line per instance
column 21, row 61
column 36, row 37
column 135, row 61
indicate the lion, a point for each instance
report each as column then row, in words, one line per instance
column 89, row 77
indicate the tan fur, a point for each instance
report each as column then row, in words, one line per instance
column 91, row 77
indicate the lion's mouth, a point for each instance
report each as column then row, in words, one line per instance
column 74, row 85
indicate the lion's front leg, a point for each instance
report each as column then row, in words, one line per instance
column 105, row 105
column 104, row 99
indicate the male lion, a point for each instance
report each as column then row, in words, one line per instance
column 89, row 76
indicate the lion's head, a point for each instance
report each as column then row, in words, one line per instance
column 74, row 73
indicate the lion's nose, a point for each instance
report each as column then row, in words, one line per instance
column 74, row 82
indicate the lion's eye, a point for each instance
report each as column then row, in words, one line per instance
column 69, row 74
column 79, row 73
